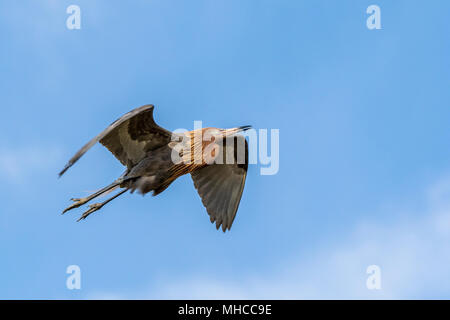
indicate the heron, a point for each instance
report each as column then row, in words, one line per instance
column 147, row 151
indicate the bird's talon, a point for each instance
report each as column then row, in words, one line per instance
column 77, row 202
column 92, row 208
column 95, row 206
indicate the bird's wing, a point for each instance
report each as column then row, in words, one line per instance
column 220, row 186
column 129, row 137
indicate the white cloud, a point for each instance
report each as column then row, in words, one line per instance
column 413, row 254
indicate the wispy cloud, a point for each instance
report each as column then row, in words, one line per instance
column 19, row 164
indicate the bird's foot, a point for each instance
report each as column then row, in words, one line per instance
column 77, row 202
column 92, row 208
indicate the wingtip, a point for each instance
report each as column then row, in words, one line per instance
column 66, row 167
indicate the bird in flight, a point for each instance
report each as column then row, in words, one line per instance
column 217, row 160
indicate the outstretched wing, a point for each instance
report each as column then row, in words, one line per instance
column 128, row 138
column 220, row 186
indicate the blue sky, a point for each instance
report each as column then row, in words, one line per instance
column 364, row 173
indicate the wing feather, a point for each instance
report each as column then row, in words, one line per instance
column 220, row 187
column 128, row 138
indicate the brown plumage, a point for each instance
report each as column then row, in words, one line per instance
column 147, row 151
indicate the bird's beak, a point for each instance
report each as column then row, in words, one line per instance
column 230, row 132
column 243, row 128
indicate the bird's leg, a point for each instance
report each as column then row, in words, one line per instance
column 97, row 206
column 80, row 201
